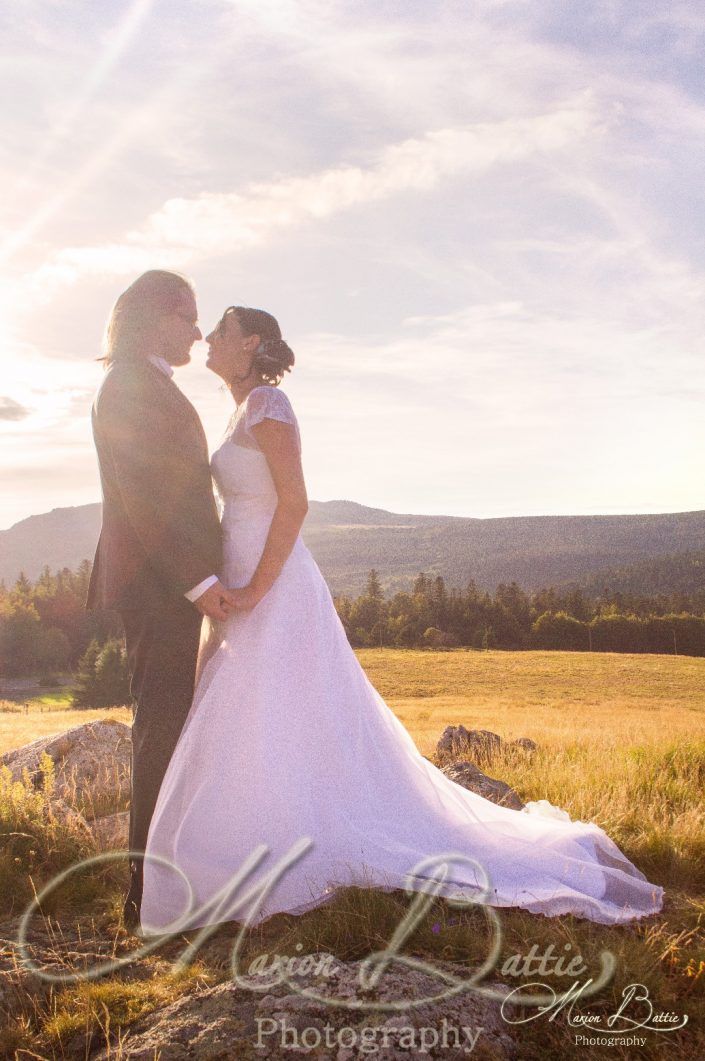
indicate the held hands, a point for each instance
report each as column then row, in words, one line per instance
column 217, row 602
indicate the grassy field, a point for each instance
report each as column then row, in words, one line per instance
column 621, row 742
column 41, row 720
column 547, row 695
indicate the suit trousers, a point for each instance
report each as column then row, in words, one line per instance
column 162, row 635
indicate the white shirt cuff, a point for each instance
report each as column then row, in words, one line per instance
column 200, row 589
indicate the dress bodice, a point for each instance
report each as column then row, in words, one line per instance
column 246, row 491
column 239, row 467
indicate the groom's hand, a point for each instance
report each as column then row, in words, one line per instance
column 217, row 602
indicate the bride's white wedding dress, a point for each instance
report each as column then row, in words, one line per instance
column 287, row 738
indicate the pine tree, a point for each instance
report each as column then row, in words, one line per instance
column 373, row 589
column 421, row 584
column 22, row 587
column 112, row 676
column 103, row 677
column 85, row 689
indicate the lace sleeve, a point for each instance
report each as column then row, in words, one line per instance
column 268, row 403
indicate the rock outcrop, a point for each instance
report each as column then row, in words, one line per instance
column 91, row 778
column 460, row 753
column 480, row 745
column 91, row 762
column 228, row 1021
column 470, row 776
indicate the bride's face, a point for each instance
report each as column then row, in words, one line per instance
column 230, row 352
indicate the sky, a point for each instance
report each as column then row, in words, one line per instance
column 478, row 222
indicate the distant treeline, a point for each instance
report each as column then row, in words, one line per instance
column 671, row 576
column 434, row 616
column 44, row 627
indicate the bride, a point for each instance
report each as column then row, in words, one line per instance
column 287, row 740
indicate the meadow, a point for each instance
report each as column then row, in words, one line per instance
column 621, row 741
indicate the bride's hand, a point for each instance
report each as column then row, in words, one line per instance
column 245, row 598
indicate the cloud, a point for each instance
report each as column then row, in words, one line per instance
column 211, row 224
column 477, row 223
column 12, row 410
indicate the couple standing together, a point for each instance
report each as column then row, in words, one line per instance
column 262, row 736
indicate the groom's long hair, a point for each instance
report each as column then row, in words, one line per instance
column 134, row 317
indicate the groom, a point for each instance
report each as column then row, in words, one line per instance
column 160, row 543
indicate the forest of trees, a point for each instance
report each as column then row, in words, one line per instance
column 434, row 616
column 44, row 628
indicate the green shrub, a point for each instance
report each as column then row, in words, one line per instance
column 103, row 676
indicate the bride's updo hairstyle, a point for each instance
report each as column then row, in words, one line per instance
column 273, row 357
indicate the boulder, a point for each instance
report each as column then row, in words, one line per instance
column 481, row 745
column 470, row 776
column 222, row 1022
column 92, row 763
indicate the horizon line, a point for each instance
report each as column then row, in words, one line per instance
column 427, row 515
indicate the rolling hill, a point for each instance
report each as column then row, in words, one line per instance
column 348, row 539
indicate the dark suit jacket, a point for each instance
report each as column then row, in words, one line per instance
column 160, row 523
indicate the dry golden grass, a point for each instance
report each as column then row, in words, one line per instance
column 544, row 695
column 18, row 728
column 548, row 696
column 621, row 742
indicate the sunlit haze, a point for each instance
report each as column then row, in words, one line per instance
column 479, row 224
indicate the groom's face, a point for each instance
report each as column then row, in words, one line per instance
column 179, row 331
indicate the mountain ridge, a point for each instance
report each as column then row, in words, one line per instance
column 348, row 539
